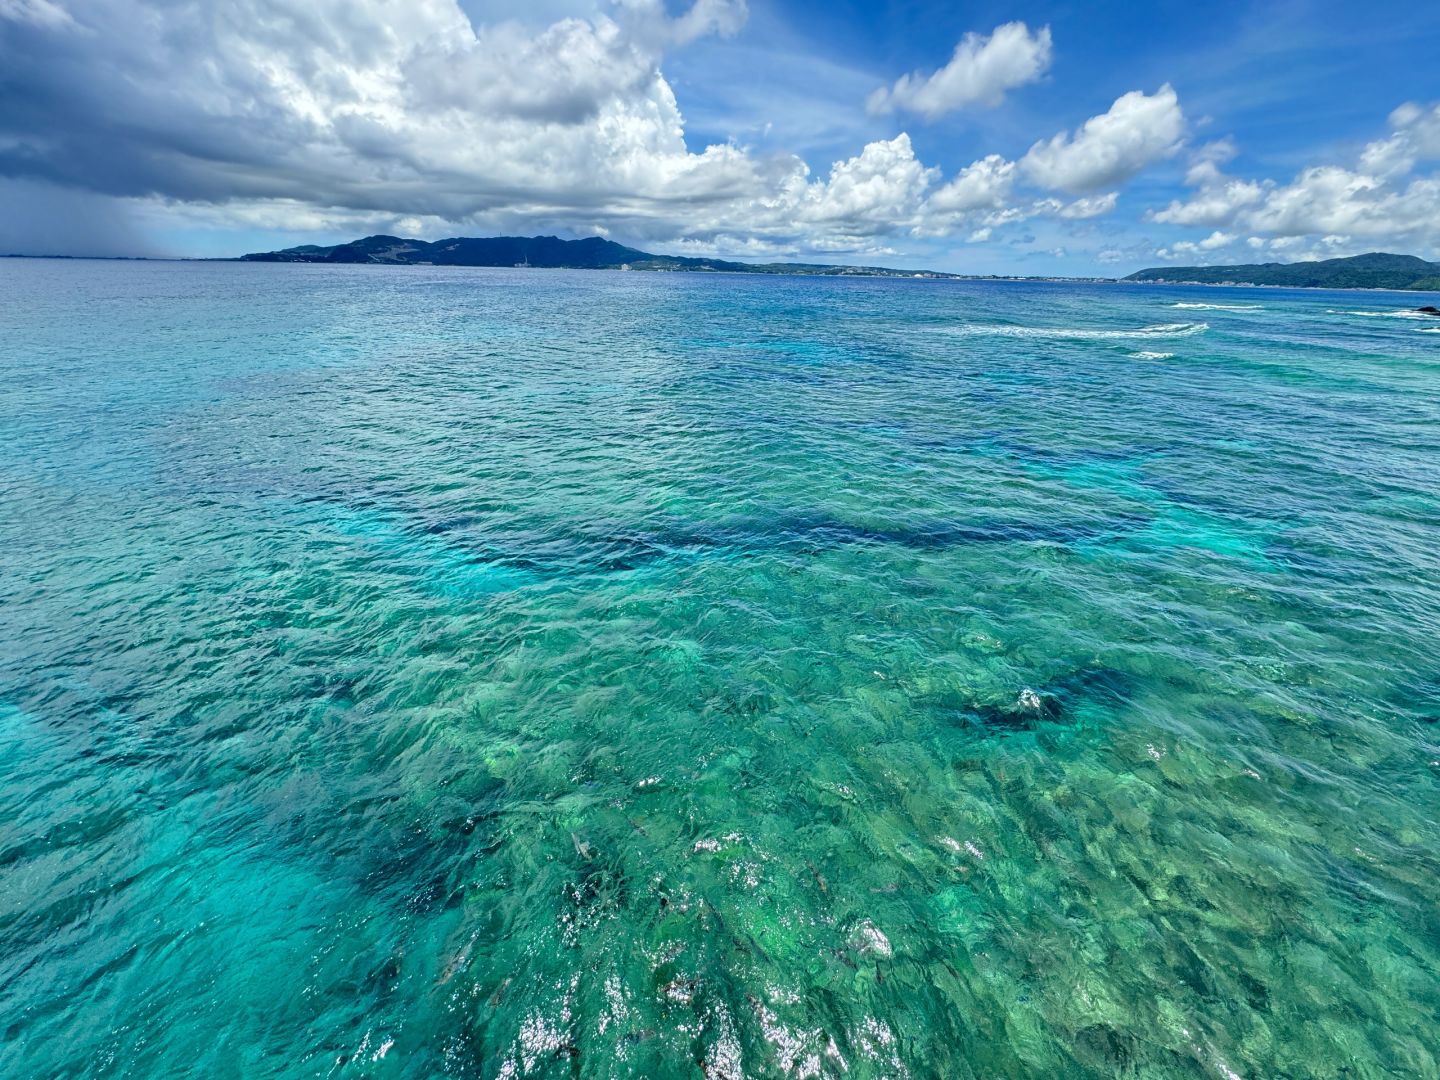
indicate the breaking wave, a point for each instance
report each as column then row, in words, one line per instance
column 1379, row 314
column 1144, row 355
column 1219, row 307
column 1160, row 330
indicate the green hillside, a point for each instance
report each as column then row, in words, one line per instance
column 1377, row 270
column 590, row 253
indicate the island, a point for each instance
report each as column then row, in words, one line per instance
column 1377, row 270
column 589, row 253
column 550, row 252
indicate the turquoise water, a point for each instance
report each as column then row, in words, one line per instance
column 429, row 672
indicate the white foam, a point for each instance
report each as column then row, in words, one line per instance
column 1427, row 329
column 1143, row 355
column 1379, row 314
column 1161, row 330
column 1219, row 307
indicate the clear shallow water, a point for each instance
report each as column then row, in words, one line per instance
column 408, row 673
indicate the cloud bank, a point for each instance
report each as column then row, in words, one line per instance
column 346, row 114
column 131, row 118
column 1326, row 209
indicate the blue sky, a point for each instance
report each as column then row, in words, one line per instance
column 980, row 137
column 1286, row 79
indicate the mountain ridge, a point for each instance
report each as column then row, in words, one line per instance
column 549, row 252
column 1373, row 270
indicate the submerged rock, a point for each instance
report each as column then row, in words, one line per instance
column 1053, row 702
column 1429, row 309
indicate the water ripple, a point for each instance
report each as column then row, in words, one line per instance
column 429, row 672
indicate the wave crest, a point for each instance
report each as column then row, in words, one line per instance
column 1379, row 314
column 1219, row 307
column 1160, row 330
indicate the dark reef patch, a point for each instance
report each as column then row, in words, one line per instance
column 622, row 548
column 1058, row 701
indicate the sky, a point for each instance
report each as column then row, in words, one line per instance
column 1012, row 138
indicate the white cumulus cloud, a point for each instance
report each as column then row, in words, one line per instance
column 1414, row 137
column 1219, row 202
column 983, row 185
column 1214, row 242
column 875, row 191
column 1138, row 130
column 1090, row 207
column 980, row 72
column 1381, row 200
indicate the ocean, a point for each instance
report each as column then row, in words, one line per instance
column 419, row 672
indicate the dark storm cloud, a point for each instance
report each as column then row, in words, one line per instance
column 322, row 102
column 103, row 106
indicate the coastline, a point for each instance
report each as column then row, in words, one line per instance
column 775, row 270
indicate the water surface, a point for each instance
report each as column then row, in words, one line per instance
column 412, row 672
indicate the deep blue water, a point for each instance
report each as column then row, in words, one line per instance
column 412, row 672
